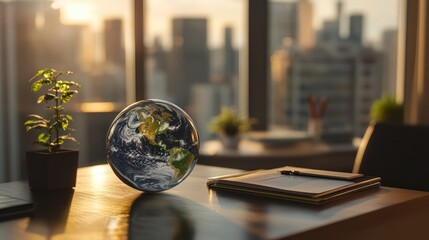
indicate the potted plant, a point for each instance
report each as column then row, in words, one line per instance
column 52, row 168
column 387, row 109
column 229, row 126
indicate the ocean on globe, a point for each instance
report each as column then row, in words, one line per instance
column 152, row 145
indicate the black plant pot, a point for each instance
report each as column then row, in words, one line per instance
column 52, row 171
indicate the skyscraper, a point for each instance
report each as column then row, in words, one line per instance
column 113, row 42
column 291, row 27
column 339, row 20
column 305, row 30
column 389, row 46
column 189, row 61
column 156, row 68
column 283, row 23
column 230, row 62
column 356, row 28
column 291, row 20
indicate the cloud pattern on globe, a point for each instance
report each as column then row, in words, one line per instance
column 152, row 145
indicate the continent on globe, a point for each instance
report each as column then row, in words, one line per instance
column 151, row 126
column 152, row 145
column 180, row 160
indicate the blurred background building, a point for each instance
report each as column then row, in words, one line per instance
column 338, row 65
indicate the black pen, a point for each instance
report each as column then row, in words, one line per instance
column 307, row 174
column 322, row 174
column 290, row 172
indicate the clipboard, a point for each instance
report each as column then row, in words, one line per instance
column 320, row 188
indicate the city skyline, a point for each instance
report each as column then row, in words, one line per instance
column 160, row 12
column 222, row 13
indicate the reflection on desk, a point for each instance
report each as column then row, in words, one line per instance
column 169, row 216
column 102, row 207
column 252, row 155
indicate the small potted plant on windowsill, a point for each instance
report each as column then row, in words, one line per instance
column 52, row 168
column 229, row 126
column 387, row 109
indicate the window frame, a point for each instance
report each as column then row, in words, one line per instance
column 416, row 62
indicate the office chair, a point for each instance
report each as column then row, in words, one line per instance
column 398, row 153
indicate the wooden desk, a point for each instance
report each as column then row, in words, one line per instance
column 102, row 207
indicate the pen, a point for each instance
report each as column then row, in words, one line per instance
column 306, row 174
column 309, row 174
column 290, row 172
column 322, row 174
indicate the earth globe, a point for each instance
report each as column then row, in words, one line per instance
column 152, row 145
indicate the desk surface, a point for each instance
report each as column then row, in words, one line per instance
column 102, row 207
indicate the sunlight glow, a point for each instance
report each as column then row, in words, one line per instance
column 77, row 12
column 99, row 107
column 98, row 174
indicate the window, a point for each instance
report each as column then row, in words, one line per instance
column 192, row 55
column 344, row 50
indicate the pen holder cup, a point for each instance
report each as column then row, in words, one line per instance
column 315, row 128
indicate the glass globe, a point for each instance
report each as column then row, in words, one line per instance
column 152, row 145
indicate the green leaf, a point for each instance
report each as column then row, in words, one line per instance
column 64, row 124
column 47, row 97
column 36, row 123
column 76, row 84
column 36, row 117
column 69, row 117
column 43, row 138
column 40, row 99
column 67, row 83
column 67, row 96
column 49, row 73
column 32, row 122
column 63, row 86
column 57, row 143
column 71, row 83
column 37, row 126
column 40, row 73
column 68, row 137
column 36, row 86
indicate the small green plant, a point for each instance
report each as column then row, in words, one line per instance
column 386, row 109
column 229, row 123
column 55, row 130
